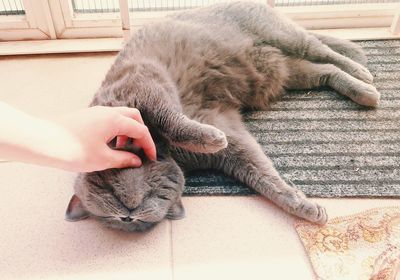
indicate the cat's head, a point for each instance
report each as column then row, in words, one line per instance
column 130, row 199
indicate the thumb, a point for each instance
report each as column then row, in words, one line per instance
column 122, row 159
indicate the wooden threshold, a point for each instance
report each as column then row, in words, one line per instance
column 61, row 46
column 115, row 44
column 358, row 34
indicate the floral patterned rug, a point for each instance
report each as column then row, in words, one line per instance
column 364, row 246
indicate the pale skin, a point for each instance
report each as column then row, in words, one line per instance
column 75, row 142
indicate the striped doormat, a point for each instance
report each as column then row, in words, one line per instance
column 324, row 143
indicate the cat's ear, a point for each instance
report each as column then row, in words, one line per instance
column 76, row 211
column 176, row 212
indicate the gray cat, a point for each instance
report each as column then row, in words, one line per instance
column 190, row 75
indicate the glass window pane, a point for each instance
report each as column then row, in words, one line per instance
column 11, row 7
column 328, row 2
column 112, row 6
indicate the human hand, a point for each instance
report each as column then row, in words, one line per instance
column 93, row 128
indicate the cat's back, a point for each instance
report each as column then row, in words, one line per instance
column 174, row 41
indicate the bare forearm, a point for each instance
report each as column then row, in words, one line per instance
column 33, row 140
column 75, row 142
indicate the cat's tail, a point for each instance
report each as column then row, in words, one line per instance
column 344, row 47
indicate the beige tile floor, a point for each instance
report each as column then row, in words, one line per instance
column 221, row 237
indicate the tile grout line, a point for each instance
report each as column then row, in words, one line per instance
column 171, row 242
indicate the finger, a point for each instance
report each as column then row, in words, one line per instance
column 134, row 143
column 121, row 141
column 140, row 132
column 123, row 159
column 130, row 113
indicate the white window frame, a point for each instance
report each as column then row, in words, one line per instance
column 311, row 17
column 54, row 19
column 36, row 24
column 343, row 16
column 68, row 25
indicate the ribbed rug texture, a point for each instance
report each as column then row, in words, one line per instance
column 324, row 143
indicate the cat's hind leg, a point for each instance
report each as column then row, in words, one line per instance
column 245, row 161
column 344, row 47
column 304, row 74
column 274, row 29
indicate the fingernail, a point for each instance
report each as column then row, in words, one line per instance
column 136, row 162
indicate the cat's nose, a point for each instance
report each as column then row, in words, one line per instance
column 126, row 219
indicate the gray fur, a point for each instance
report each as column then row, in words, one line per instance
column 190, row 75
column 131, row 199
column 344, row 47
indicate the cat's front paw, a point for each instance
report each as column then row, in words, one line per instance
column 316, row 214
column 308, row 210
column 203, row 139
column 312, row 212
column 213, row 139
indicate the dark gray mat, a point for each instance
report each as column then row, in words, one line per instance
column 324, row 143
